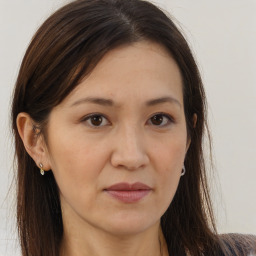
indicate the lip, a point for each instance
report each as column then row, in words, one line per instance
column 128, row 193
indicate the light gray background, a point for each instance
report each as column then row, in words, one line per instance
column 222, row 35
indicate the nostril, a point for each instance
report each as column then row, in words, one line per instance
column 129, row 162
column 129, row 151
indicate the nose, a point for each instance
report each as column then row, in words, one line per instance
column 129, row 150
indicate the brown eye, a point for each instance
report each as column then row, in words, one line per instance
column 157, row 120
column 160, row 120
column 96, row 120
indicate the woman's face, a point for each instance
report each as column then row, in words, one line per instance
column 117, row 143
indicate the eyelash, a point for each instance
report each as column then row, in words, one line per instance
column 169, row 118
column 88, row 118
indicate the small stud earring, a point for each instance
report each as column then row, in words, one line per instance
column 41, row 169
column 183, row 171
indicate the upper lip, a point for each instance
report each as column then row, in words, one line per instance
column 128, row 187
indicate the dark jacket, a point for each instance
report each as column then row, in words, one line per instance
column 238, row 245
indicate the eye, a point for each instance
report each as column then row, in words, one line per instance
column 161, row 120
column 96, row 120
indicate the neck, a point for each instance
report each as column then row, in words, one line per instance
column 99, row 243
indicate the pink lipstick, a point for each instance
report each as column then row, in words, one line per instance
column 128, row 193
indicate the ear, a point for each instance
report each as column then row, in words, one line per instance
column 32, row 139
column 194, row 120
column 194, row 125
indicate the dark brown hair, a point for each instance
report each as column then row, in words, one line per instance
column 64, row 50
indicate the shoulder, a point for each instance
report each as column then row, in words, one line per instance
column 238, row 244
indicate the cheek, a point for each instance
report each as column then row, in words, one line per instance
column 169, row 159
column 169, row 155
column 76, row 165
column 77, row 172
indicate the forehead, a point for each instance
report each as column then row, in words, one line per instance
column 142, row 68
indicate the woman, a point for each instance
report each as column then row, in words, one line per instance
column 108, row 116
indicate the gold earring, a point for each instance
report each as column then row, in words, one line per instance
column 41, row 169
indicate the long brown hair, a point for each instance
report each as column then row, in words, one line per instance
column 64, row 50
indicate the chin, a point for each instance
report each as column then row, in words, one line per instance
column 130, row 225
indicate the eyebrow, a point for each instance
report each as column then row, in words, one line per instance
column 163, row 100
column 99, row 101
column 109, row 102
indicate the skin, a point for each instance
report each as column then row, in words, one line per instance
column 123, row 143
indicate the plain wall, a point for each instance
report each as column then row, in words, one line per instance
column 222, row 35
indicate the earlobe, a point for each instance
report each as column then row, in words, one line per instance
column 32, row 140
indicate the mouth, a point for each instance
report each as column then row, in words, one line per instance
column 128, row 193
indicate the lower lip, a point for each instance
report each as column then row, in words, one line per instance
column 128, row 196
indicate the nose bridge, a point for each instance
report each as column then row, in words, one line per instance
column 130, row 134
column 129, row 151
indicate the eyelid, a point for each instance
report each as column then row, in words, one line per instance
column 87, row 117
column 168, row 116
